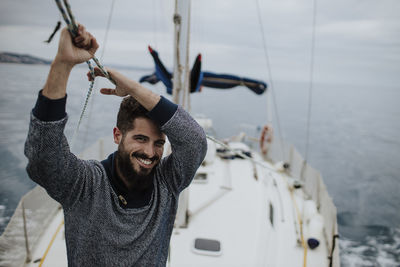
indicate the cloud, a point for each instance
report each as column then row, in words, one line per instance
column 357, row 44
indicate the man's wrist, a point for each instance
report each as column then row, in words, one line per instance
column 55, row 87
column 62, row 65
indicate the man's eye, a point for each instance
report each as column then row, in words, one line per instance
column 140, row 139
column 159, row 144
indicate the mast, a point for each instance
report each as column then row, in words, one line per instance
column 180, row 90
column 181, row 52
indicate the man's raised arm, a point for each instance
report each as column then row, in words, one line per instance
column 50, row 162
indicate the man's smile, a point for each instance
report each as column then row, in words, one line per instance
column 144, row 162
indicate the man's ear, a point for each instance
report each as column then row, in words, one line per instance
column 117, row 135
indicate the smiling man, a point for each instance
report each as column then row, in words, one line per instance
column 121, row 211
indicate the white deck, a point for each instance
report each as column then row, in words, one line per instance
column 239, row 219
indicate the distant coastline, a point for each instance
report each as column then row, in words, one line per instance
column 9, row 57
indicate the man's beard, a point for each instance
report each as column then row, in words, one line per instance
column 137, row 180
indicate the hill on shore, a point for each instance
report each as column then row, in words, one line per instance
column 6, row 57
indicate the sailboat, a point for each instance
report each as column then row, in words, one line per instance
column 245, row 207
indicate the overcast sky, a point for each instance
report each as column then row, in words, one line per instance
column 357, row 41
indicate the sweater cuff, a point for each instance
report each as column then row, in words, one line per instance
column 163, row 111
column 47, row 109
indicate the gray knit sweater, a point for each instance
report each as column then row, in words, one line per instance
column 98, row 231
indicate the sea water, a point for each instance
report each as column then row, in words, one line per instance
column 354, row 143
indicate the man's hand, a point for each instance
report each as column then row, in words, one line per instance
column 80, row 49
column 70, row 52
column 125, row 86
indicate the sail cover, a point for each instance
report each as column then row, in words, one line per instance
column 199, row 78
column 227, row 81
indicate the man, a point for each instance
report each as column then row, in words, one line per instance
column 121, row 211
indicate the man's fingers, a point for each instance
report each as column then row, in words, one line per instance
column 93, row 45
column 81, row 29
column 98, row 72
column 108, row 91
column 88, row 42
column 79, row 39
column 89, row 75
column 83, row 38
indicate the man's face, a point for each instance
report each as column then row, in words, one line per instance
column 139, row 150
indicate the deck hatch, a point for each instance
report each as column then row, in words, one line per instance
column 208, row 247
column 200, row 178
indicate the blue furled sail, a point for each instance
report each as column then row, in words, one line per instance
column 199, row 78
column 227, row 81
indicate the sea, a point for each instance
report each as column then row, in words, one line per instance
column 353, row 141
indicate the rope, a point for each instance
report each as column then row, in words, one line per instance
column 310, row 90
column 64, row 15
column 73, row 27
column 54, row 32
column 73, row 22
column 51, row 243
column 303, row 243
column 272, row 87
column 101, row 59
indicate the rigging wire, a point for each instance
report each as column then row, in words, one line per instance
column 107, row 29
column 272, row 87
column 108, row 25
column 310, row 89
column 278, row 122
column 155, row 23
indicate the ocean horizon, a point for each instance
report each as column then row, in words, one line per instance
column 353, row 143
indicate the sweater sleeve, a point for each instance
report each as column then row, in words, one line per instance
column 189, row 147
column 51, row 164
column 47, row 109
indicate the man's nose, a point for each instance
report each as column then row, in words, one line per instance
column 149, row 150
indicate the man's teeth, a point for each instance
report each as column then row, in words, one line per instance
column 145, row 161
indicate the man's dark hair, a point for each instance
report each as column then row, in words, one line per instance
column 129, row 110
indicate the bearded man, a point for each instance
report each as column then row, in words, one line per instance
column 121, row 211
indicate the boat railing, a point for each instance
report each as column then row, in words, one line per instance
column 314, row 188
column 31, row 217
